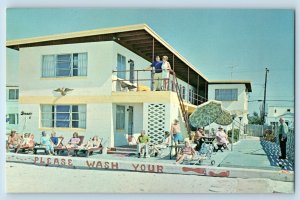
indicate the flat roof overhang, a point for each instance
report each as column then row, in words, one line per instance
column 140, row 39
column 247, row 83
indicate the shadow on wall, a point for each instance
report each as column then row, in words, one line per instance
column 273, row 152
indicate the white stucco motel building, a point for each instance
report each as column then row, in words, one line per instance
column 108, row 91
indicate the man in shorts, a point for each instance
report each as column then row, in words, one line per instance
column 176, row 131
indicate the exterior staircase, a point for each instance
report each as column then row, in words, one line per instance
column 183, row 114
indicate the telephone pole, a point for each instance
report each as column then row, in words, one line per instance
column 265, row 94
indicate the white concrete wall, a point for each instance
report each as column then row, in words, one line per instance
column 99, row 122
column 240, row 106
column 280, row 110
column 102, row 59
column 120, row 135
column 98, row 79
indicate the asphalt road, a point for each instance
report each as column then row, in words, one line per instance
column 39, row 179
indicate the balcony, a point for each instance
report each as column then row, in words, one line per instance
column 140, row 88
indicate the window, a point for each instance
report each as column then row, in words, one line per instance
column 13, row 118
column 183, row 92
column 64, row 65
column 226, row 94
column 121, row 66
column 13, row 94
column 190, row 95
column 63, row 116
column 120, row 117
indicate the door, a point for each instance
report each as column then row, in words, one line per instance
column 121, row 66
column 130, row 120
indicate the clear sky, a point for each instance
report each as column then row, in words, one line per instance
column 223, row 44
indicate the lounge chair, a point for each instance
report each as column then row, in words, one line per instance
column 90, row 151
column 63, row 148
column 40, row 147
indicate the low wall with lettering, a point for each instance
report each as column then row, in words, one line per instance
column 110, row 164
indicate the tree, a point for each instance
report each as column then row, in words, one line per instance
column 255, row 119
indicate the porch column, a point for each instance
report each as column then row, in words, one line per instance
column 188, row 89
column 197, row 99
column 152, row 71
column 173, row 81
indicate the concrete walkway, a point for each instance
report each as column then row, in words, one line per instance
column 253, row 153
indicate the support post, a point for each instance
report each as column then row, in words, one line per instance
column 232, row 131
column 197, row 90
column 265, row 93
column 152, row 71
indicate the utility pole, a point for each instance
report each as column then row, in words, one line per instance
column 265, row 93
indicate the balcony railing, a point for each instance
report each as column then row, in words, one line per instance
column 143, row 80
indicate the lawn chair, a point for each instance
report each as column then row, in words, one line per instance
column 90, row 151
column 40, row 147
column 25, row 149
column 131, row 140
column 61, row 149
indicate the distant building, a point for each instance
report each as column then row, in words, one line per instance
column 234, row 97
column 276, row 112
column 12, row 108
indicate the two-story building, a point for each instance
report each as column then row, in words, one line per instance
column 95, row 83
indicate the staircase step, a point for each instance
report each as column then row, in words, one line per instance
column 120, row 152
column 123, row 149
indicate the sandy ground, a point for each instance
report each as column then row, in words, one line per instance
column 29, row 178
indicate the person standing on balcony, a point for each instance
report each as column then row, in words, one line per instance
column 283, row 131
column 165, row 72
column 156, row 69
column 175, row 130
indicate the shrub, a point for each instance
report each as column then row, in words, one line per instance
column 235, row 135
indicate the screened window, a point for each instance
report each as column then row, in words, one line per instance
column 64, row 116
column 121, row 66
column 226, row 94
column 191, row 95
column 183, row 92
column 13, row 118
column 64, row 65
column 120, row 117
column 13, row 94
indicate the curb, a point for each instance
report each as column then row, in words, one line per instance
column 148, row 167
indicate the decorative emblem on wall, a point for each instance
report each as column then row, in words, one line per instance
column 63, row 91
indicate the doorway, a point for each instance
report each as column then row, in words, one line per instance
column 130, row 120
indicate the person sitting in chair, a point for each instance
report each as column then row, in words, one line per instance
column 26, row 142
column 221, row 138
column 13, row 140
column 45, row 141
column 142, row 144
column 74, row 141
column 187, row 152
column 164, row 144
column 54, row 139
column 198, row 138
column 94, row 142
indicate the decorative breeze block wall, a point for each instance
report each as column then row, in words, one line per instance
column 156, row 122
